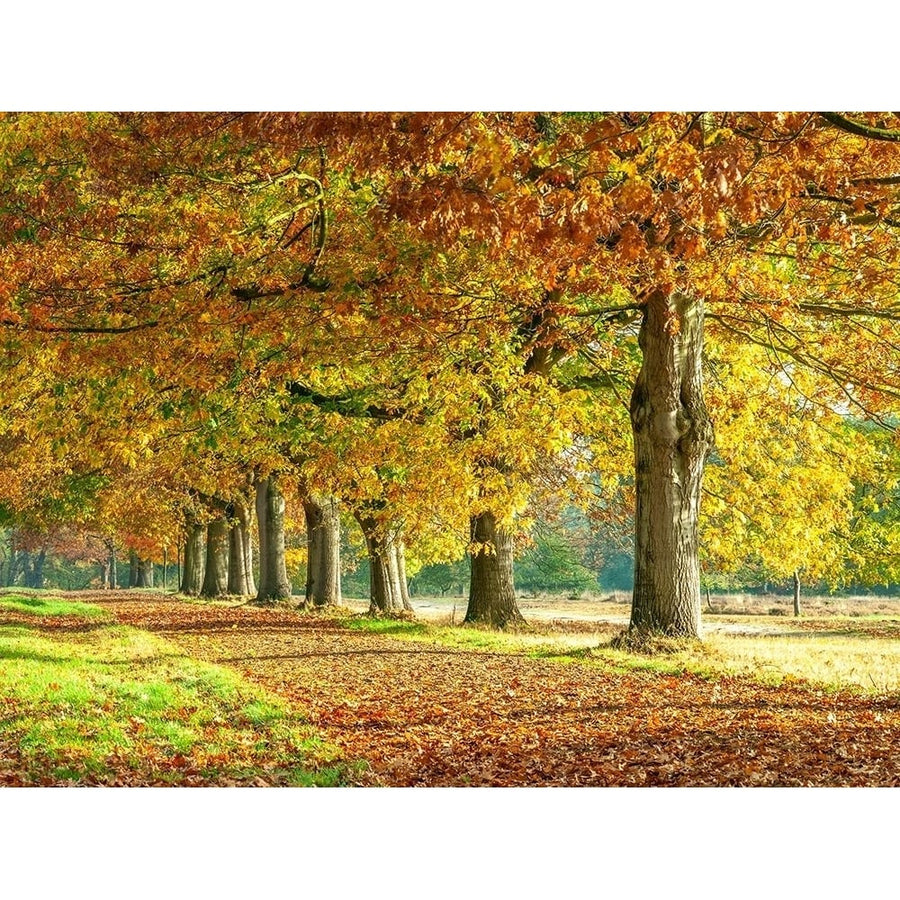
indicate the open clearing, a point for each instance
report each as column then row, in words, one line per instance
column 407, row 703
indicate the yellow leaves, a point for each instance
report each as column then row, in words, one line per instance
column 543, row 156
column 503, row 184
column 635, row 197
column 679, row 161
column 780, row 487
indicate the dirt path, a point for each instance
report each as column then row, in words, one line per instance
column 426, row 715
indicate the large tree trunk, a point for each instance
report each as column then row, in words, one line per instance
column 401, row 568
column 25, row 565
column 13, row 571
column 323, row 540
column 15, row 567
column 144, row 575
column 240, row 552
column 192, row 575
column 672, row 438
column 132, row 568
column 796, row 593
column 385, row 588
column 262, row 489
column 37, row 574
column 215, row 580
column 492, row 593
column 113, row 566
column 274, row 584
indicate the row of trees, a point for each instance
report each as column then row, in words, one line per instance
column 446, row 323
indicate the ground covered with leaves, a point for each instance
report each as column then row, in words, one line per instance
column 423, row 707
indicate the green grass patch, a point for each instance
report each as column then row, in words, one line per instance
column 391, row 626
column 34, row 605
column 118, row 705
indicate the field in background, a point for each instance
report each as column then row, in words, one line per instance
column 615, row 607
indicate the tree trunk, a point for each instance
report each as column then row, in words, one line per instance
column 492, row 593
column 401, row 568
column 37, row 577
column 113, row 567
column 104, row 576
column 192, row 576
column 27, row 569
column 262, row 488
column 13, row 570
column 273, row 580
column 672, row 438
column 144, row 578
column 323, row 540
column 132, row 568
column 385, row 591
column 215, row 580
column 796, row 593
column 240, row 552
column 393, row 572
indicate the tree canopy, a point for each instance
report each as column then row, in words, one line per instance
column 452, row 323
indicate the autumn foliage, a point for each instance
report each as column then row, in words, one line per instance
column 441, row 328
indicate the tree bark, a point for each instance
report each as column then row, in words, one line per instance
column 323, row 541
column 37, row 574
column 215, row 579
column 192, row 575
column 796, row 593
column 385, row 590
column 26, row 566
column 401, row 568
column 274, row 584
column 13, row 570
column 113, row 566
column 672, row 438
column 132, row 568
column 144, row 576
column 492, row 593
column 240, row 552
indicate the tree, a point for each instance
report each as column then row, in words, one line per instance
column 767, row 216
column 480, row 269
column 323, row 531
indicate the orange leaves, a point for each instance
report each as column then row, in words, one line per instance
column 635, row 197
column 631, row 244
column 429, row 714
column 681, row 162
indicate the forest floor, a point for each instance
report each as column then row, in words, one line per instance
column 423, row 704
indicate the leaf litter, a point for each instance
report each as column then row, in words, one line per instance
column 421, row 714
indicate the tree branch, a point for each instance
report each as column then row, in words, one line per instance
column 860, row 128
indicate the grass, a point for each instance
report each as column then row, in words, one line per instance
column 842, row 658
column 117, row 705
column 39, row 605
column 395, row 627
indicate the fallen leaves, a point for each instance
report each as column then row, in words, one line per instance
column 422, row 714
